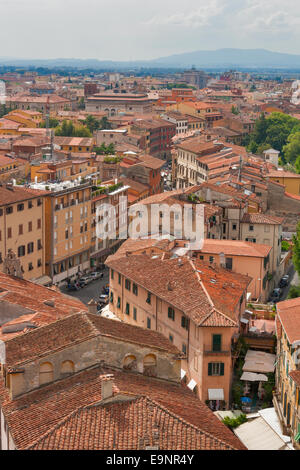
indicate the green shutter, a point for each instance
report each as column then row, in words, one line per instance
column 209, row 368
column 217, row 342
column 127, row 309
column 222, row 368
column 119, row 302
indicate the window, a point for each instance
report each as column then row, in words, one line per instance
column 112, row 274
column 20, row 207
column 9, row 210
column 184, row 348
column 228, row 263
column 216, row 343
column 39, row 223
column 130, row 362
column 29, row 226
column 30, row 266
column 39, row 263
column 30, row 205
column 46, row 373
column 149, row 323
column 40, row 244
column 111, row 297
column 233, row 226
column 9, row 232
column 21, row 251
column 251, row 228
column 211, row 259
column 67, row 368
column 119, row 302
column 184, row 322
column 171, row 313
column 127, row 284
column 20, row 229
column 127, row 309
column 134, row 313
column 171, row 339
column 216, row 368
column 135, row 289
column 148, row 300
column 120, row 279
column 39, row 202
column 30, row 247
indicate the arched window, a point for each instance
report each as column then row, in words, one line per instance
column 46, row 373
column 67, row 368
column 150, row 365
column 130, row 362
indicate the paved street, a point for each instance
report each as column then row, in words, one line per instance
column 91, row 291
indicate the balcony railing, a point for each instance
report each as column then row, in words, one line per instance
column 209, row 352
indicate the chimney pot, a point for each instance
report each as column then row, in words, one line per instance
column 106, row 386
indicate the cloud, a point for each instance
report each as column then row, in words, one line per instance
column 270, row 16
column 201, row 16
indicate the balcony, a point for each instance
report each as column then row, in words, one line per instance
column 207, row 351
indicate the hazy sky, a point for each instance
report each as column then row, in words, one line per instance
column 144, row 29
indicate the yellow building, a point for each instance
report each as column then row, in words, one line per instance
column 29, row 119
column 68, row 221
column 287, row 396
column 75, row 144
column 291, row 181
column 22, row 229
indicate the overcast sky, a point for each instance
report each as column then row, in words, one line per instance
column 144, row 29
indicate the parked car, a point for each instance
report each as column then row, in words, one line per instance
column 284, row 281
column 96, row 275
column 84, row 281
column 276, row 294
column 103, row 299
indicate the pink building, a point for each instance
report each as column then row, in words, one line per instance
column 197, row 306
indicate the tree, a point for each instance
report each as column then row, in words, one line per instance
column 296, row 249
column 292, row 149
column 234, row 110
column 67, row 129
column 105, row 124
column 52, row 123
column 91, row 123
column 81, row 104
column 294, row 292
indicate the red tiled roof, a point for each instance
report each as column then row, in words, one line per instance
column 235, row 248
column 288, row 313
column 74, row 329
column 195, row 288
column 295, row 375
column 18, row 194
column 171, row 411
column 258, row 218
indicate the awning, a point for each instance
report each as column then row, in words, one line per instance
column 259, row 362
column 215, row 394
column 43, row 280
column 183, row 374
column 253, row 377
column 192, row 384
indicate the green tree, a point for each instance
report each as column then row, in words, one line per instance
column 67, row 129
column 291, row 150
column 294, row 292
column 105, row 124
column 234, row 110
column 296, row 249
column 91, row 123
column 81, row 104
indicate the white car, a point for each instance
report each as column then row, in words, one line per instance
column 96, row 275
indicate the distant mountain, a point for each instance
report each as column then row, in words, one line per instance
column 221, row 58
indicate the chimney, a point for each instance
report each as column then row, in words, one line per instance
column 107, row 382
column 92, row 306
column 222, row 260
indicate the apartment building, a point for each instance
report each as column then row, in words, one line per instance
column 68, row 221
column 63, row 170
column 108, row 194
column 287, row 396
column 196, row 306
column 188, row 168
column 54, row 103
column 265, row 230
column 241, row 257
column 22, row 229
column 179, row 119
column 160, row 134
